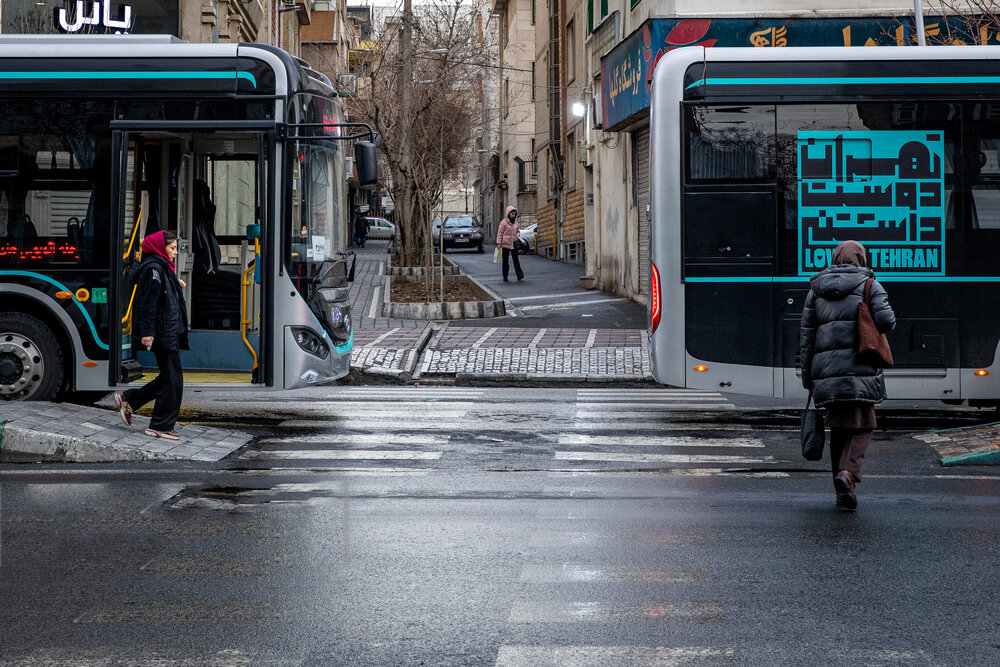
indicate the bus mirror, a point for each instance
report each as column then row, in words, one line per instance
column 366, row 162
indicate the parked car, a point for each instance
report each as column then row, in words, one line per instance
column 528, row 236
column 380, row 228
column 463, row 231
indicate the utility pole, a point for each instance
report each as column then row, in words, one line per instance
column 405, row 94
column 918, row 19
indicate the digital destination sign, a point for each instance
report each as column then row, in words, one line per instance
column 884, row 189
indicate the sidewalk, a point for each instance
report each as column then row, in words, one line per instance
column 544, row 338
column 32, row 431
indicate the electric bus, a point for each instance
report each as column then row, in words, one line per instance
column 240, row 149
column 764, row 160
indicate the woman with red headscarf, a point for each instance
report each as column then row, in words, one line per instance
column 159, row 323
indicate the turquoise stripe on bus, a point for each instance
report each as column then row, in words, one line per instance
column 881, row 279
column 347, row 346
column 848, row 80
column 31, row 274
column 130, row 75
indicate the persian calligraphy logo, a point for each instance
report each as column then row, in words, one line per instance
column 882, row 188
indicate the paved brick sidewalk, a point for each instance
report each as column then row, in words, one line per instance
column 414, row 349
column 40, row 431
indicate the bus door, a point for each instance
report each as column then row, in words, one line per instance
column 207, row 185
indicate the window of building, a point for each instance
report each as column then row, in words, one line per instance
column 506, row 97
column 533, row 11
column 571, row 50
column 532, row 81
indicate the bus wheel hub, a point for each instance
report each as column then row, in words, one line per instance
column 20, row 366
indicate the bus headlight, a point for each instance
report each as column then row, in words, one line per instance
column 309, row 341
column 332, row 306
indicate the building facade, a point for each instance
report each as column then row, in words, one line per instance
column 593, row 64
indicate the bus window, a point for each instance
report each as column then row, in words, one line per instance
column 55, row 192
column 730, row 144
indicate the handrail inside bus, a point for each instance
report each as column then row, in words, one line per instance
column 246, row 282
column 128, row 252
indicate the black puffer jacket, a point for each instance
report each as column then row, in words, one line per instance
column 831, row 367
column 159, row 309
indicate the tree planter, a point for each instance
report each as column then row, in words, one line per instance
column 488, row 303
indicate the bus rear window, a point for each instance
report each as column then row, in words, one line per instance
column 730, row 144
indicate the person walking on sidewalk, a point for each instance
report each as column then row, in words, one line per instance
column 159, row 324
column 507, row 237
column 839, row 378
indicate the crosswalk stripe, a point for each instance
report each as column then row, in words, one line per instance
column 634, row 402
column 489, row 424
column 608, row 656
column 625, row 457
column 573, row 573
column 359, row 439
column 569, row 612
column 352, row 454
column 662, row 408
column 647, row 441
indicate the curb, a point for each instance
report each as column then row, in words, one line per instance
column 989, row 456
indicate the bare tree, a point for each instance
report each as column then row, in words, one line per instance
column 448, row 55
column 962, row 22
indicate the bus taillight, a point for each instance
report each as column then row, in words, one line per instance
column 654, row 291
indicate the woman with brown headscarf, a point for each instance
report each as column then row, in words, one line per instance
column 841, row 381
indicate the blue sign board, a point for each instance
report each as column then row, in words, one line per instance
column 627, row 71
column 884, row 189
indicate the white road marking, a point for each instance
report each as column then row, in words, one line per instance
column 544, row 296
column 654, row 441
column 591, row 337
column 359, row 439
column 568, row 304
column 634, row 415
column 346, row 455
column 375, row 301
column 569, row 612
column 538, row 337
column 378, row 340
column 484, row 338
column 653, row 405
column 625, row 457
column 609, row 656
column 575, row 573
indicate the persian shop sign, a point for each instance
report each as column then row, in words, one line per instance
column 884, row 189
column 91, row 17
column 627, row 71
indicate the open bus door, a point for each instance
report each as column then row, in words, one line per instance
column 207, row 185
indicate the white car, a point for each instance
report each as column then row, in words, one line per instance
column 528, row 236
column 380, row 228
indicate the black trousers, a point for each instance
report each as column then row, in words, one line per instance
column 167, row 389
column 507, row 252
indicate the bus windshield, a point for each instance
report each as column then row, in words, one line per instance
column 318, row 183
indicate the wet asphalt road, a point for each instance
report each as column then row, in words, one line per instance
column 464, row 526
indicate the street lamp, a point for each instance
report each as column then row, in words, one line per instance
column 578, row 109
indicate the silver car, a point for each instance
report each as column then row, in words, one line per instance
column 380, row 228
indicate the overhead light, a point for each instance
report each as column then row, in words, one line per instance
column 578, row 109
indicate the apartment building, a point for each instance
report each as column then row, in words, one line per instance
column 594, row 62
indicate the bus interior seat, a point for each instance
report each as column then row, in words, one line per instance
column 22, row 229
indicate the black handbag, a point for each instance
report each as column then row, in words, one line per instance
column 813, row 433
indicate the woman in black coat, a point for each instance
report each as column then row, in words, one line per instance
column 159, row 323
column 841, row 381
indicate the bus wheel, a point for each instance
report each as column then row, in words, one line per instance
column 30, row 361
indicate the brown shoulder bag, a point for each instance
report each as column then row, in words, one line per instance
column 873, row 346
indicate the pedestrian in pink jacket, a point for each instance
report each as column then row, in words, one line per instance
column 507, row 237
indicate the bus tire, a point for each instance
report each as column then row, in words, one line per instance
column 31, row 363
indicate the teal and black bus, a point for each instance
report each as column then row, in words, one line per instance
column 764, row 159
column 238, row 148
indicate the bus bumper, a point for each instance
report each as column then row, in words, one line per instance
column 303, row 369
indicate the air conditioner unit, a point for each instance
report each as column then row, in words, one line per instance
column 595, row 112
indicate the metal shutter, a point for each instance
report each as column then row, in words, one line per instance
column 641, row 148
